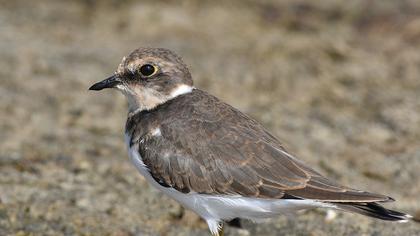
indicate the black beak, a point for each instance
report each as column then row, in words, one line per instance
column 109, row 82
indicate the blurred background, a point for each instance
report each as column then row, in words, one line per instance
column 337, row 81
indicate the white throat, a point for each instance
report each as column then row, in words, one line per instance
column 141, row 98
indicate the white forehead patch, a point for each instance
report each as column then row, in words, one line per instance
column 132, row 68
column 120, row 68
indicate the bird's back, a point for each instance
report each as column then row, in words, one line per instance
column 231, row 153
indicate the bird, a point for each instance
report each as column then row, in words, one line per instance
column 212, row 158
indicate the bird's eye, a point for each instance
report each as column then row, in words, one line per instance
column 147, row 70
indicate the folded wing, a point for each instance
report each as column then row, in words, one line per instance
column 230, row 153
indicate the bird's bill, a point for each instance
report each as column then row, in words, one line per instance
column 109, row 82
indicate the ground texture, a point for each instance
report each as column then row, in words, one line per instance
column 337, row 81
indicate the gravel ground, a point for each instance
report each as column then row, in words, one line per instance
column 338, row 82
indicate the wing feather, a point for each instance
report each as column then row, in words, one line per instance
column 218, row 150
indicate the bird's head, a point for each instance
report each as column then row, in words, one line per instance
column 149, row 77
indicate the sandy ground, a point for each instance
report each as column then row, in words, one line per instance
column 339, row 83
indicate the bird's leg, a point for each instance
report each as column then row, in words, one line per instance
column 215, row 227
column 221, row 230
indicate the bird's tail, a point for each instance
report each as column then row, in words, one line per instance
column 374, row 210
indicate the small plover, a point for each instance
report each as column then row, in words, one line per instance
column 214, row 159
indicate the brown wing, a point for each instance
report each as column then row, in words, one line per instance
column 229, row 153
